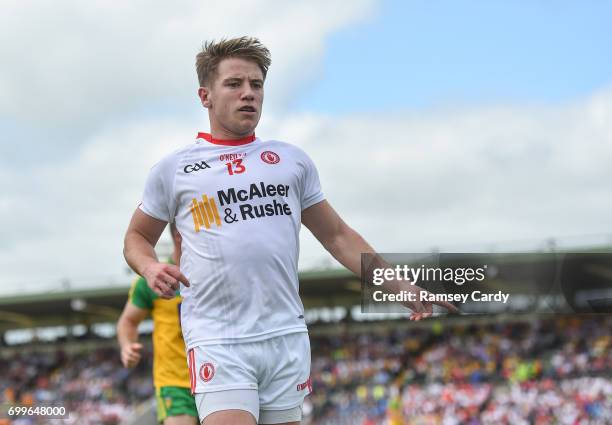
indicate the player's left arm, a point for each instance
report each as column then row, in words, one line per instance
column 346, row 246
column 337, row 237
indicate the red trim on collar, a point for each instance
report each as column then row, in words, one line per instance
column 234, row 142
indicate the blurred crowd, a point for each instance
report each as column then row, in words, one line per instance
column 556, row 370
column 92, row 385
column 547, row 371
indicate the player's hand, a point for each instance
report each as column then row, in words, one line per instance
column 422, row 309
column 130, row 354
column 164, row 279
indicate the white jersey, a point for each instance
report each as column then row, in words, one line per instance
column 237, row 206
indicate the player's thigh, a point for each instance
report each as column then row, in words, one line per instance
column 230, row 407
column 291, row 416
column 225, row 382
column 230, row 417
column 282, row 391
column 181, row 420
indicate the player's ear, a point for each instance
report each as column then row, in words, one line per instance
column 204, row 94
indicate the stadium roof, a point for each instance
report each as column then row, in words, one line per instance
column 89, row 306
column 327, row 288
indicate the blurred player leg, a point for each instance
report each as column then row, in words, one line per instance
column 176, row 406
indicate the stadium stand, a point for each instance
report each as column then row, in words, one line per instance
column 472, row 369
column 536, row 370
column 526, row 370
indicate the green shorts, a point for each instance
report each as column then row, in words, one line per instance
column 174, row 401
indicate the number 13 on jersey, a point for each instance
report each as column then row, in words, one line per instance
column 235, row 167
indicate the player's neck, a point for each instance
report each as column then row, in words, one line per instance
column 224, row 134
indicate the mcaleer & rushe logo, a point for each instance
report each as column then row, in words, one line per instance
column 238, row 205
column 204, row 213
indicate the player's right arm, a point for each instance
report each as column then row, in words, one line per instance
column 127, row 333
column 138, row 249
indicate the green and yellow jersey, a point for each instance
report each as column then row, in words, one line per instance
column 169, row 358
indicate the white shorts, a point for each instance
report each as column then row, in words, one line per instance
column 275, row 371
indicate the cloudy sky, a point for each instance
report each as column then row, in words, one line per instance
column 459, row 125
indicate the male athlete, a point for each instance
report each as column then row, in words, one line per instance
column 175, row 403
column 238, row 202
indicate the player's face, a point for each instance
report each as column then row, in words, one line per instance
column 234, row 99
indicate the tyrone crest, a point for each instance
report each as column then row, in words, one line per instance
column 207, row 372
column 270, row 157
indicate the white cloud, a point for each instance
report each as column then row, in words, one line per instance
column 71, row 63
column 407, row 182
column 483, row 177
column 84, row 85
column 67, row 219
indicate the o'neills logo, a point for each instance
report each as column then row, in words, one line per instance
column 239, row 204
column 304, row 385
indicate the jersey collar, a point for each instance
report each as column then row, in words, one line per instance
column 227, row 142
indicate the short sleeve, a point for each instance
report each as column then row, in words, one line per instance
column 141, row 295
column 158, row 198
column 311, row 186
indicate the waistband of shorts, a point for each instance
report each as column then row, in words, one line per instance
column 246, row 339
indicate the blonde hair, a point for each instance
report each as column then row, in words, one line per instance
column 248, row 48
